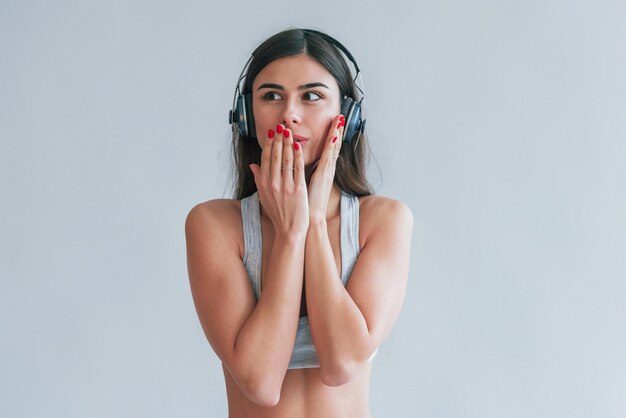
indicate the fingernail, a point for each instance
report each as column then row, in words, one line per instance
column 339, row 125
column 279, row 129
column 342, row 118
column 296, row 146
column 334, row 140
column 286, row 133
column 270, row 134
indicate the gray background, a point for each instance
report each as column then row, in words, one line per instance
column 500, row 123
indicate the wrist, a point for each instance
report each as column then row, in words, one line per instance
column 317, row 228
column 317, row 221
column 291, row 236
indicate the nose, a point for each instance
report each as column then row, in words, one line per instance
column 291, row 114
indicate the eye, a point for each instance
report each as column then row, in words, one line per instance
column 312, row 96
column 271, row 95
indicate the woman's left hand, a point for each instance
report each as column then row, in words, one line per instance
column 322, row 179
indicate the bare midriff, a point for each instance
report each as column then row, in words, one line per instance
column 303, row 395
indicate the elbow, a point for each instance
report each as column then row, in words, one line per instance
column 340, row 373
column 264, row 398
column 260, row 382
column 261, row 391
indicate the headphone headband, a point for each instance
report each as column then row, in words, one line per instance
column 336, row 44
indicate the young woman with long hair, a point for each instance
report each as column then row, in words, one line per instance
column 299, row 279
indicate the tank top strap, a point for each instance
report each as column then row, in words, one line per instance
column 349, row 209
column 252, row 240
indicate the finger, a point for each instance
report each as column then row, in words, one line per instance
column 339, row 141
column 277, row 155
column 266, row 155
column 340, row 129
column 287, row 165
column 333, row 143
column 298, row 166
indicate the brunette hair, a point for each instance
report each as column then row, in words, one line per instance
column 350, row 174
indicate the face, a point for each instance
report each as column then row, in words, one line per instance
column 301, row 94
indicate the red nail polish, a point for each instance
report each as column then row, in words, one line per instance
column 341, row 118
column 286, row 133
column 334, row 140
column 270, row 134
column 339, row 125
column 279, row 129
column 296, row 146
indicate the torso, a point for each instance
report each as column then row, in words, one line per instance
column 303, row 394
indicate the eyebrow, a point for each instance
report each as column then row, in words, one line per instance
column 302, row 87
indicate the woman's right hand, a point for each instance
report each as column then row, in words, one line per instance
column 281, row 184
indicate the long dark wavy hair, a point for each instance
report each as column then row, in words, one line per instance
column 350, row 173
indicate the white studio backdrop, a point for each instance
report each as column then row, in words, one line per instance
column 501, row 124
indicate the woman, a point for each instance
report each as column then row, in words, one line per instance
column 298, row 280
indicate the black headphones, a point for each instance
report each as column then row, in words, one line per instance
column 241, row 116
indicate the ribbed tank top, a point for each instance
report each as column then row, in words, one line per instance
column 304, row 355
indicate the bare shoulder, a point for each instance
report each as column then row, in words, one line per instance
column 215, row 209
column 216, row 221
column 219, row 282
column 383, row 213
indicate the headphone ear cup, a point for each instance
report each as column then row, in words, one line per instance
column 239, row 117
column 345, row 106
column 251, row 126
column 352, row 112
column 243, row 116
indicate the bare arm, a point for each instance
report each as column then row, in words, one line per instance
column 349, row 323
column 254, row 341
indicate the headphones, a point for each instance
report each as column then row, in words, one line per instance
column 241, row 116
